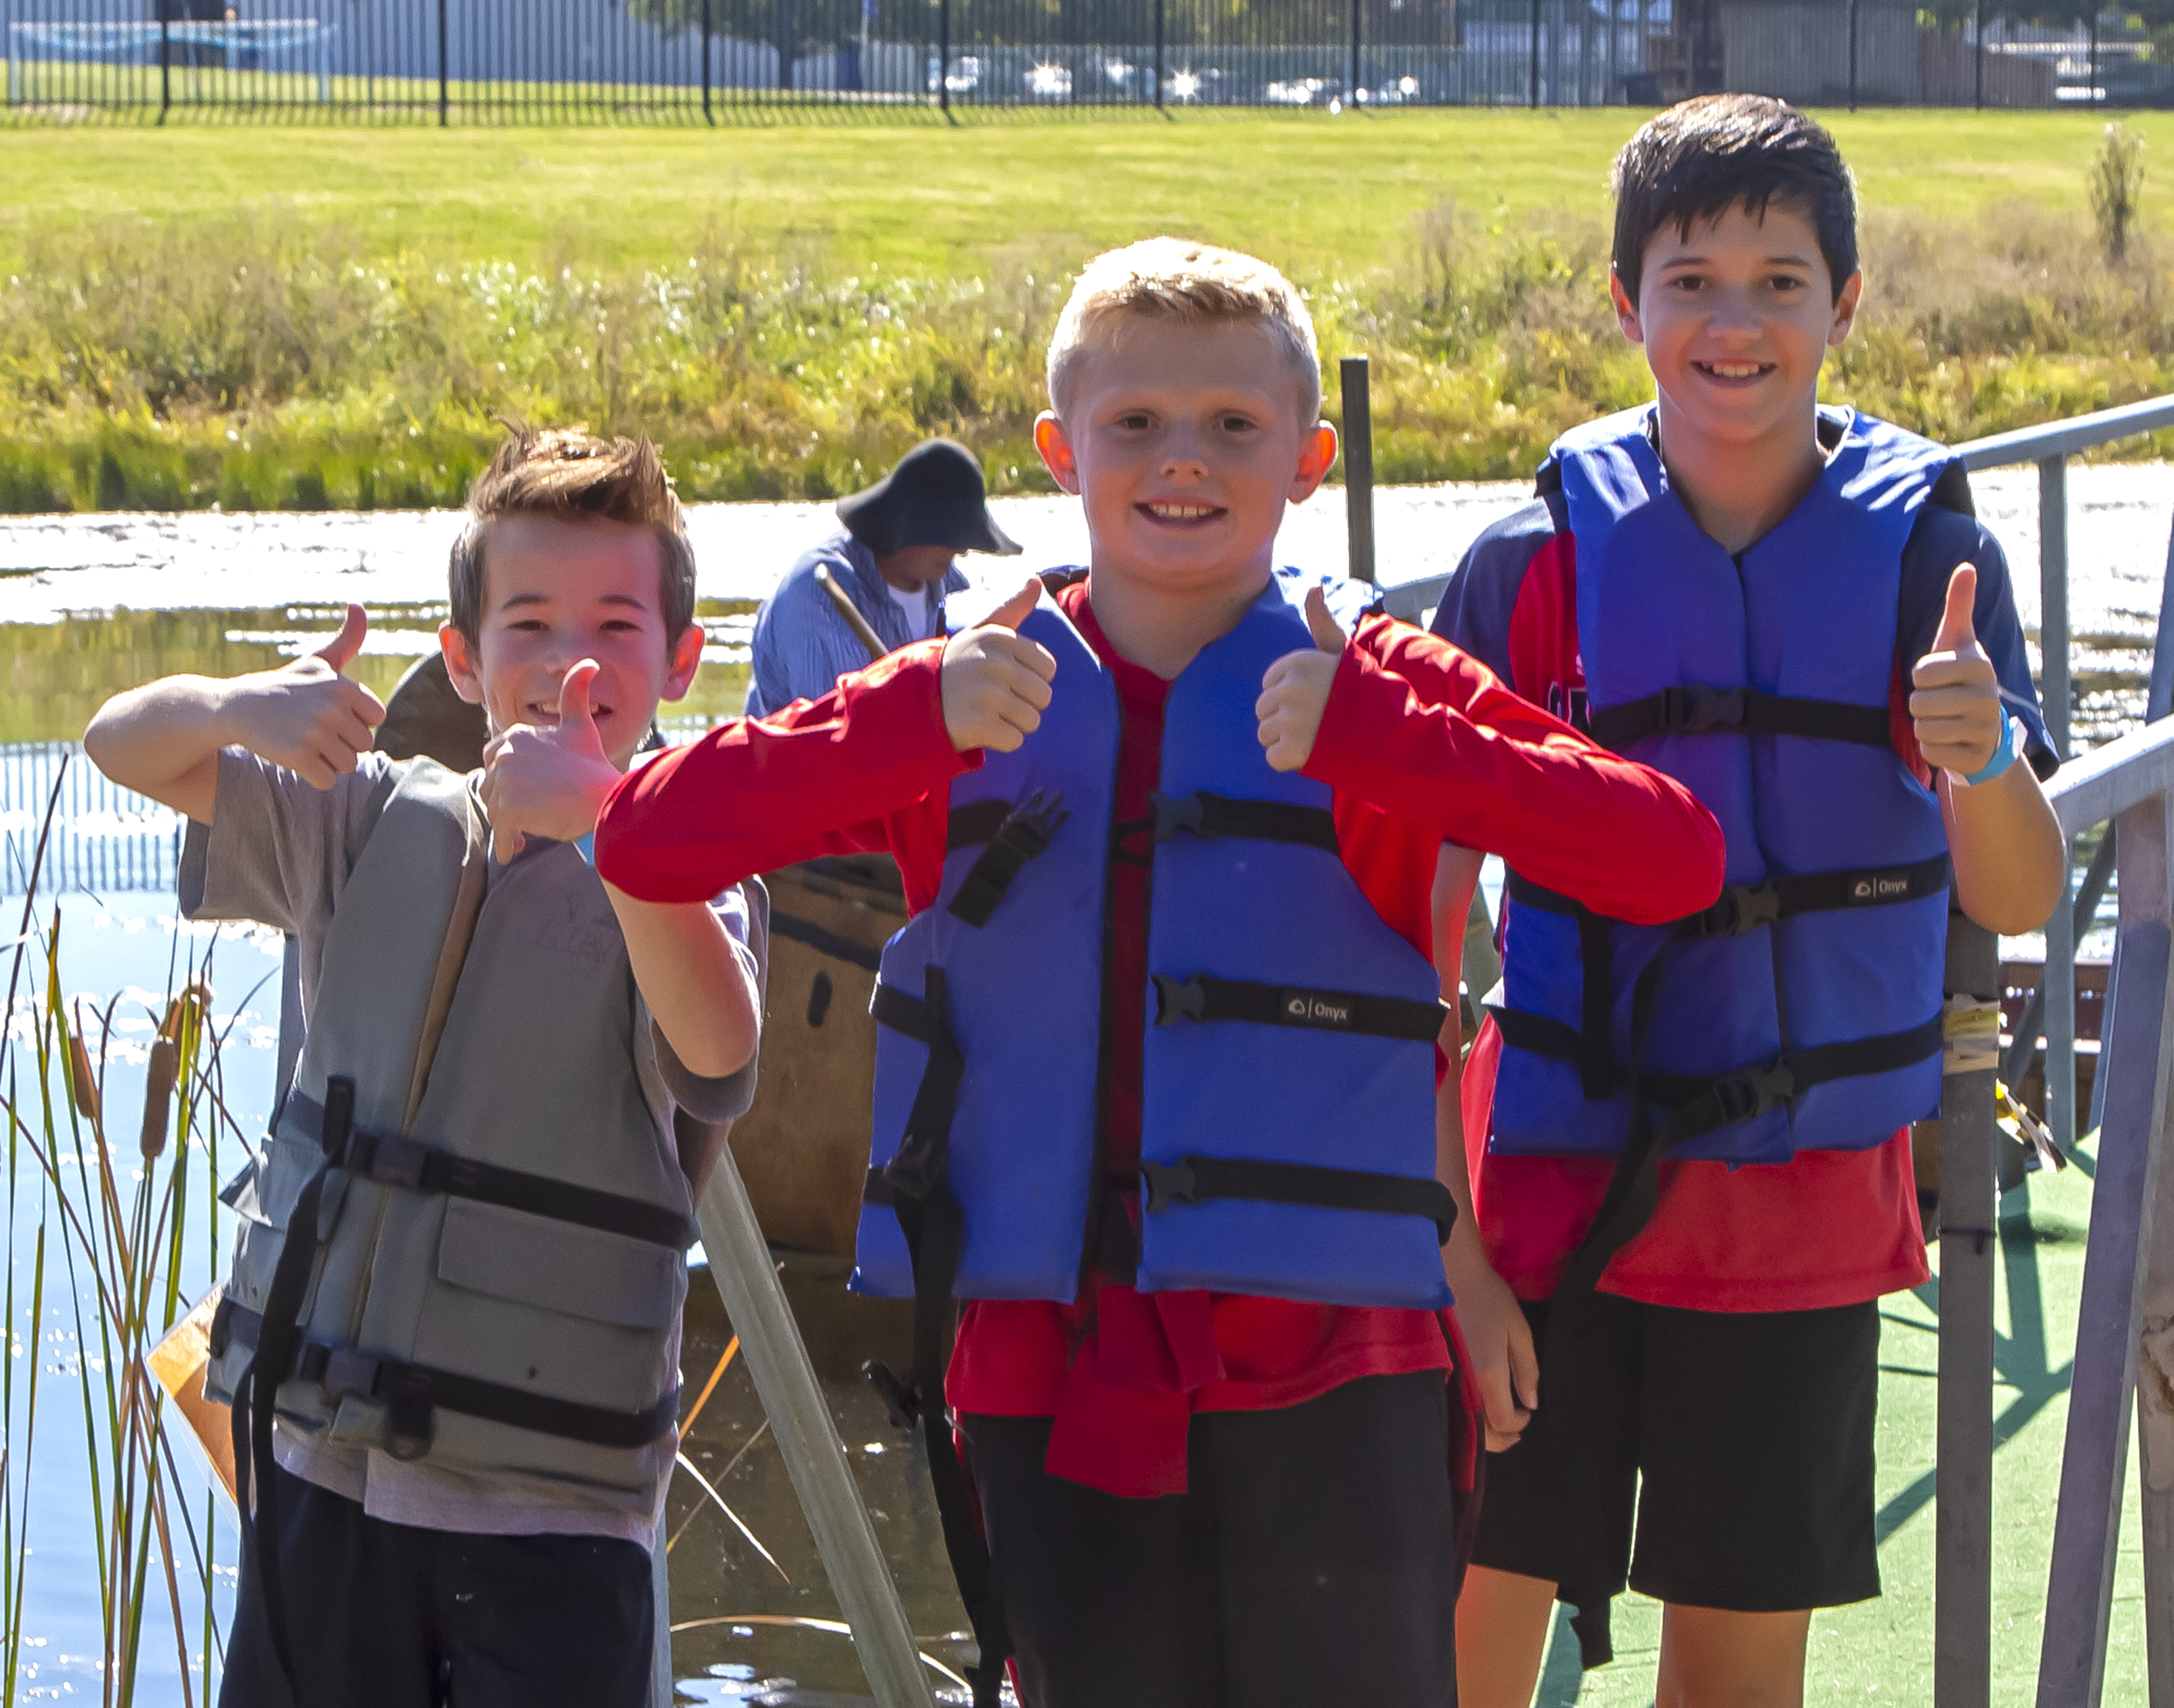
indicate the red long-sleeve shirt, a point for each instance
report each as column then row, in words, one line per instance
column 1420, row 745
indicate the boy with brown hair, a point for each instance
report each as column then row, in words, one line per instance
column 450, row 1335
column 1689, row 1149
column 1155, row 1089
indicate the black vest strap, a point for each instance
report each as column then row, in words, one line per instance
column 1202, row 997
column 399, row 1161
column 1202, row 814
column 1689, row 709
column 1193, row 1180
column 410, row 1391
column 1021, row 833
column 913, row 1184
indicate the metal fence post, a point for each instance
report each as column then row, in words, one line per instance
column 1358, row 465
column 708, row 116
column 1852, row 56
column 1977, row 55
column 165, row 59
column 1533, row 92
column 1158, row 44
column 2098, row 94
column 1969, row 1190
column 441, row 65
column 1351, row 88
column 2117, row 1258
column 2059, row 978
column 943, row 56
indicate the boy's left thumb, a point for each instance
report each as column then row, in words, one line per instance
column 1957, row 628
column 1327, row 635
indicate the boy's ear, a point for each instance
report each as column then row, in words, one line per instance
column 686, row 659
column 1317, row 456
column 1626, row 312
column 462, row 665
column 1055, row 445
column 1845, row 313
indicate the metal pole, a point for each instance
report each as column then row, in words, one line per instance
column 1158, row 44
column 1962, row 1600
column 1351, row 88
column 1852, row 56
column 943, row 56
column 1977, row 56
column 2117, row 1257
column 1532, row 94
column 814, row 1457
column 2060, row 975
column 166, row 59
column 441, row 64
column 708, row 116
column 2098, row 95
column 1358, row 466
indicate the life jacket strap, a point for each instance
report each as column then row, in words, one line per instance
column 1201, row 813
column 1740, row 908
column 1688, row 709
column 1019, row 834
column 1700, row 1103
column 394, row 1160
column 1194, row 1180
column 1202, row 997
column 410, row 1393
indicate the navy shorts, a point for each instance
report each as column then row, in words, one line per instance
column 1732, row 1458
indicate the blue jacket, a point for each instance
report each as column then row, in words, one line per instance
column 1802, row 1010
column 1288, row 1089
column 802, row 645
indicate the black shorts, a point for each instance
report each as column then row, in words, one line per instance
column 382, row 1615
column 1742, row 1441
column 1313, row 1549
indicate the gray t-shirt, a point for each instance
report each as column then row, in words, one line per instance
column 280, row 853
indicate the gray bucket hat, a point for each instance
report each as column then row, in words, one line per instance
column 934, row 497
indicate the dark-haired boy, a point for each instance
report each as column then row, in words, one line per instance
column 1157, row 1063
column 1689, row 1148
column 456, row 1399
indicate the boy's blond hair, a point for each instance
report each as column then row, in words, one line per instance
column 1194, row 284
column 574, row 476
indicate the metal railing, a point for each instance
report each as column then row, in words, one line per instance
column 447, row 62
column 106, row 839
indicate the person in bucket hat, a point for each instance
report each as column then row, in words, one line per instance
column 893, row 563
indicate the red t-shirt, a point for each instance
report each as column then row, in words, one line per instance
column 1419, row 744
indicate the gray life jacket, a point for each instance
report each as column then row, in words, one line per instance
column 499, row 1218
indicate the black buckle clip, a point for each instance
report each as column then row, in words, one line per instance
column 1179, row 999
column 1743, row 907
column 410, row 1418
column 1029, row 825
column 1174, row 1183
column 915, row 1171
column 338, row 1125
column 1177, row 813
column 902, row 1400
column 1743, row 1095
column 1688, row 709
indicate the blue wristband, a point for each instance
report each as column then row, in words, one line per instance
column 2003, row 756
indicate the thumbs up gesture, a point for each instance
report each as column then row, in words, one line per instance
column 549, row 780
column 1955, row 708
column 1295, row 692
column 996, row 681
column 307, row 715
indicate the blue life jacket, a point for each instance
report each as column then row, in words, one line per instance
column 1287, row 1145
column 1802, row 1010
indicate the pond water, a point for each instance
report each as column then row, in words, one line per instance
column 90, row 605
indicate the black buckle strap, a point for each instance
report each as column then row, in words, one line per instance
column 1203, row 997
column 394, row 1160
column 1689, row 709
column 1201, row 813
column 1744, row 907
column 1194, row 1180
column 889, row 1006
column 1023, row 833
column 411, row 1392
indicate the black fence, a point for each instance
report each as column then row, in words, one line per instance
column 467, row 62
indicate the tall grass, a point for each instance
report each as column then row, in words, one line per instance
column 261, row 366
column 120, row 1218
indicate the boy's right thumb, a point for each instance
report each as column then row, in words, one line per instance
column 339, row 652
column 1013, row 611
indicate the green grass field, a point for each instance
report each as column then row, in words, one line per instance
column 1321, row 195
